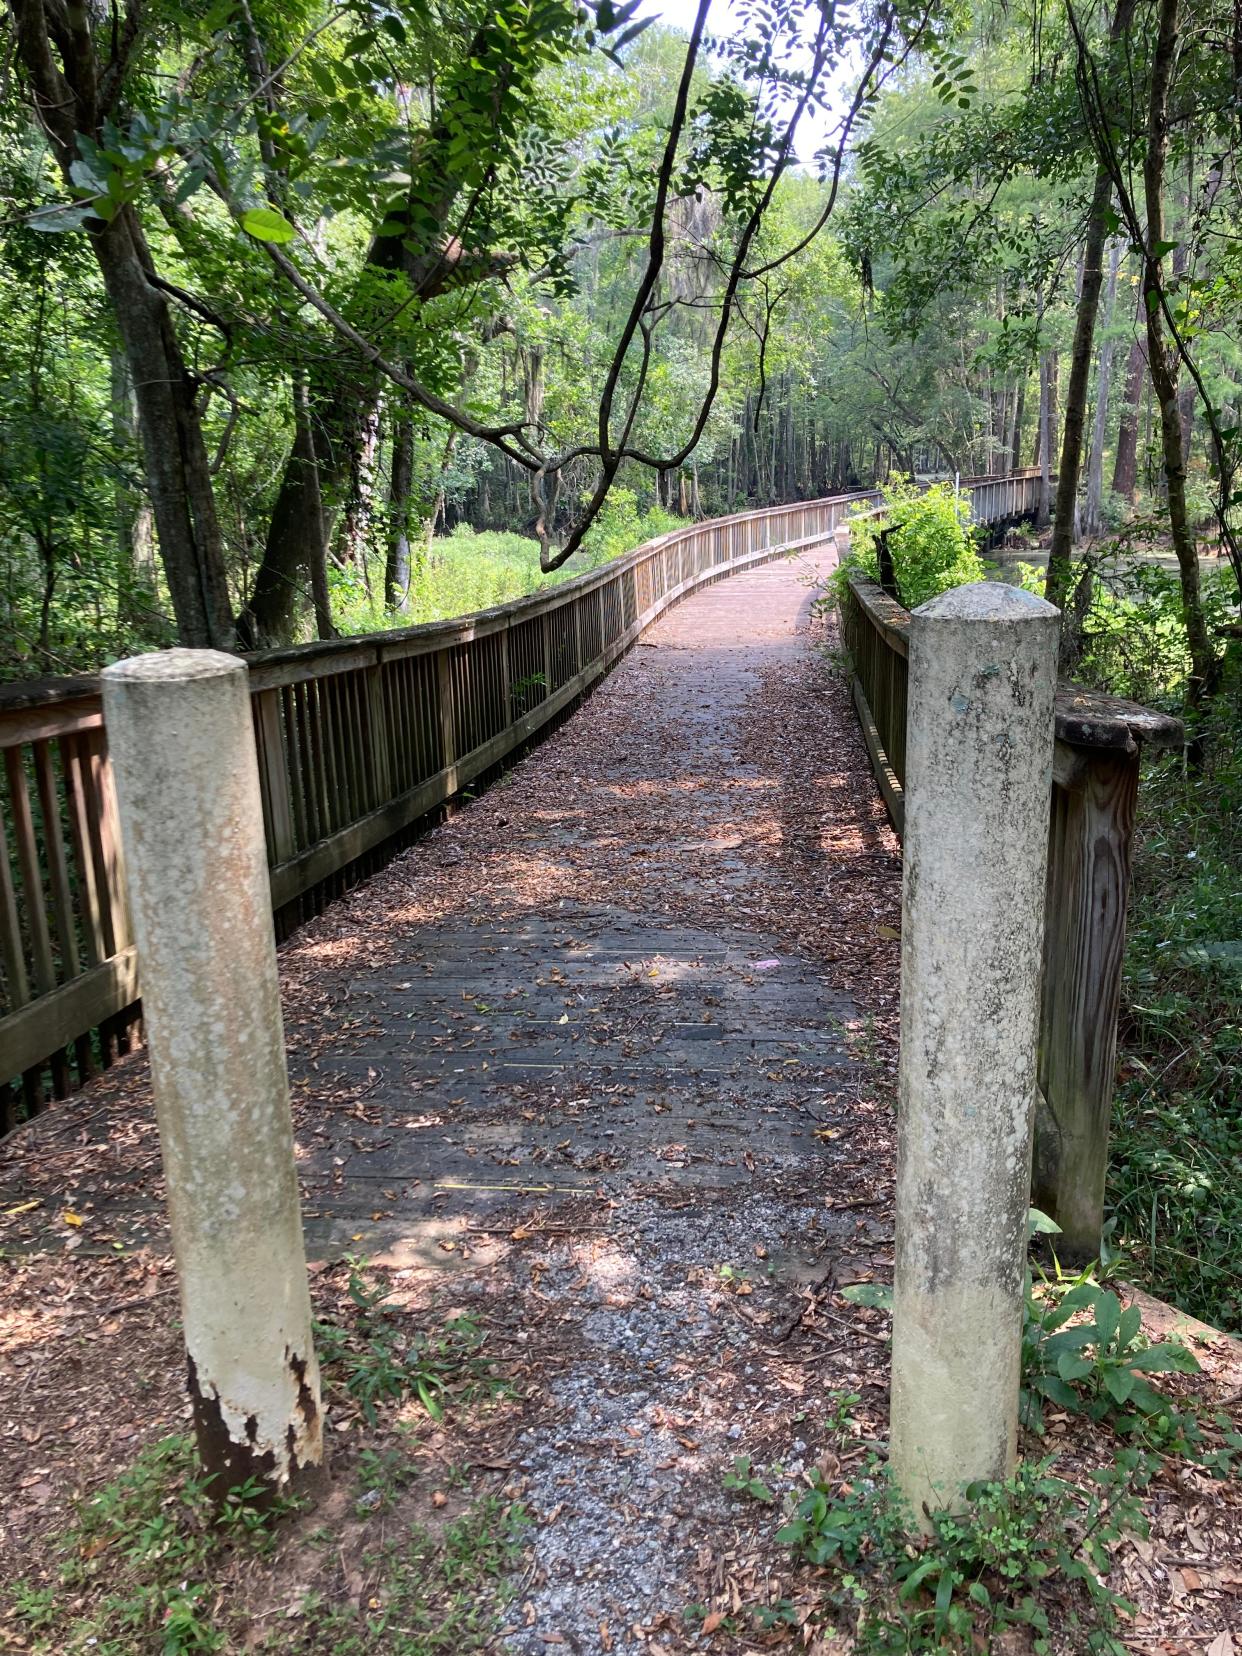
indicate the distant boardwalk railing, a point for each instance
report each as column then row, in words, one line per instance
column 1091, row 829
column 359, row 740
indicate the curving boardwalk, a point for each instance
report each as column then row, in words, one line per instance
column 609, row 1045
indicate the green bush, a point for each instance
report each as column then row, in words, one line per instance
column 930, row 538
column 1134, row 636
column 1177, row 1115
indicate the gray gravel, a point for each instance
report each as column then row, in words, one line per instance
column 623, row 1507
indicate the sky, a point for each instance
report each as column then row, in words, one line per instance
column 722, row 20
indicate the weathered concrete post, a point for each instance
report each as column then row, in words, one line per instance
column 182, row 745
column 978, row 783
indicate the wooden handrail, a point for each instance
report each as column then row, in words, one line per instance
column 1094, row 792
column 358, row 741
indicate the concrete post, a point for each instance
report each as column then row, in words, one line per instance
column 978, row 784
column 182, row 745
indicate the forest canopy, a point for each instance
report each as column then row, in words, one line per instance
column 290, row 292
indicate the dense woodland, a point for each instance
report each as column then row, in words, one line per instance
column 289, row 291
column 321, row 319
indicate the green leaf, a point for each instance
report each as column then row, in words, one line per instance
column 1039, row 1224
column 1128, row 1327
column 1119, row 1383
column 918, row 1576
column 62, row 219
column 1107, row 1318
column 266, row 224
column 944, row 1591
column 1056, row 1391
column 1072, row 1367
column 1165, row 1359
column 186, row 188
column 876, row 1294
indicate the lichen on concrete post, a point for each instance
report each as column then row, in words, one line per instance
column 979, row 743
column 183, row 749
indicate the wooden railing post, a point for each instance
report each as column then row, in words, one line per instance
column 444, row 697
column 378, row 716
column 274, row 776
column 1092, row 831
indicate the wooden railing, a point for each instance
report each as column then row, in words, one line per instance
column 1091, row 829
column 359, row 741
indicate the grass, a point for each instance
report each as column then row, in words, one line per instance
column 430, row 1594
column 403, row 1557
column 147, row 1568
column 1177, row 1123
column 473, row 570
column 134, row 1572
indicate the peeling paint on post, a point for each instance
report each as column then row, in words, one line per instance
column 978, row 785
column 182, row 745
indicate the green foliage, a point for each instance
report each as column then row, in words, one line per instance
column 135, row 1571
column 1083, row 1353
column 992, row 1565
column 379, row 1358
column 1134, row 633
column 1177, row 1119
column 434, row 1594
column 745, row 1481
column 929, row 538
column 621, row 526
column 477, row 569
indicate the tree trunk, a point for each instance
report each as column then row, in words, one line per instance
column 317, row 543
column 1056, row 585
column 335, row 421
column 137, row 598
column 66, row 97
column 1125, row 466
column 1015, row 456
column 1093, row 516
column 360, row 461
column 175, row 453
column 397, row 563
column 1162, row 358
column 1045, row 440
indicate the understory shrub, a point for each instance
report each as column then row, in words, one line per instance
column 1177, row 1116
column 930, row 538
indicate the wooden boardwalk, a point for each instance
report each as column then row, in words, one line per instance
column 585, row 984
column 604, row 1061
